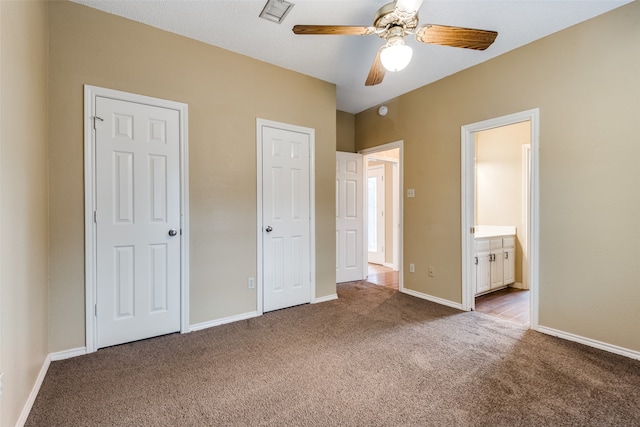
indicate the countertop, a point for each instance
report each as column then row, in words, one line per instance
column 485, row 231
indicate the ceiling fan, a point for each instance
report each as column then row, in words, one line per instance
column 392, row 22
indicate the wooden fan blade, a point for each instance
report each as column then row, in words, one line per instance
column 333, row 30
column 376, row 73
column 467, row 38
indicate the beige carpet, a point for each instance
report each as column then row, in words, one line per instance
column 372, row 358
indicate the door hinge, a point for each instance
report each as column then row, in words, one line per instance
column 476, row 260
column 94, row 121
column 95, row 216
column 472, row 230
column 95, row 310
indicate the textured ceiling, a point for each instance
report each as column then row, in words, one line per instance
column 345, row 60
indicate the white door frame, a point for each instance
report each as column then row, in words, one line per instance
column 468, row 204
column 398, row 254
column 395, row 194
column 396, row 214
column 260, row 123
column 90, row 94
column 526, row 212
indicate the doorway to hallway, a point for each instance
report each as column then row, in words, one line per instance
column 383, row 166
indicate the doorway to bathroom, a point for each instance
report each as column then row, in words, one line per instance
column 499, row 217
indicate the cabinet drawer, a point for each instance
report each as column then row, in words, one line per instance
column 483, row 246
column 496, row 243
column 509, row 242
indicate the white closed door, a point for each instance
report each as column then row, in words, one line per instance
column 349, row 217
column 375, row 214
column 137, row 221
column 286, row 218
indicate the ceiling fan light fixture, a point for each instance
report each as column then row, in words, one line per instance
column 395, row 56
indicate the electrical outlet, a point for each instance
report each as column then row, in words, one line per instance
column 411, row 192
column 432, row 271
column 1, row 383
column 251, row 283
column 412, row 268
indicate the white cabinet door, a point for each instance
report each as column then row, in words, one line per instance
column 509, row 266
column 483, row 272
column 497, row 272
column 497, row 268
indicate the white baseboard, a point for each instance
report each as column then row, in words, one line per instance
column 224, row 320
column 34, row 392
column 432, row 298
column 68, row 354
column 590, row 342
column 517, row 285
column 51, row 357
column 324, row 298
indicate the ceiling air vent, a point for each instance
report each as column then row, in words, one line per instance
column 276, row 10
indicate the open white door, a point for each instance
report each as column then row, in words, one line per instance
column 350, row 265
column 375, row 214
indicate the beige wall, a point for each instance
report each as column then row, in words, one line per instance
column 345, row 131
column 585, row 82
column 499, row 181
column 225, row 94
column 23, row 189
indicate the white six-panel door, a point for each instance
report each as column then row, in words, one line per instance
column 286, row 218
column 137, row 221
column 349, row 217
column 375, row 214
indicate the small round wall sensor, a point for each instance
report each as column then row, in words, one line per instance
column 383, row 110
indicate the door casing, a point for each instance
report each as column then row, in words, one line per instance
column 395, row 196
column 260, row 123
column 377, row 171
column 90, row 94
column 468, row 205
column 398, row 204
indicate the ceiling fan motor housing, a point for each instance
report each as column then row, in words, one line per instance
column 387, row 18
